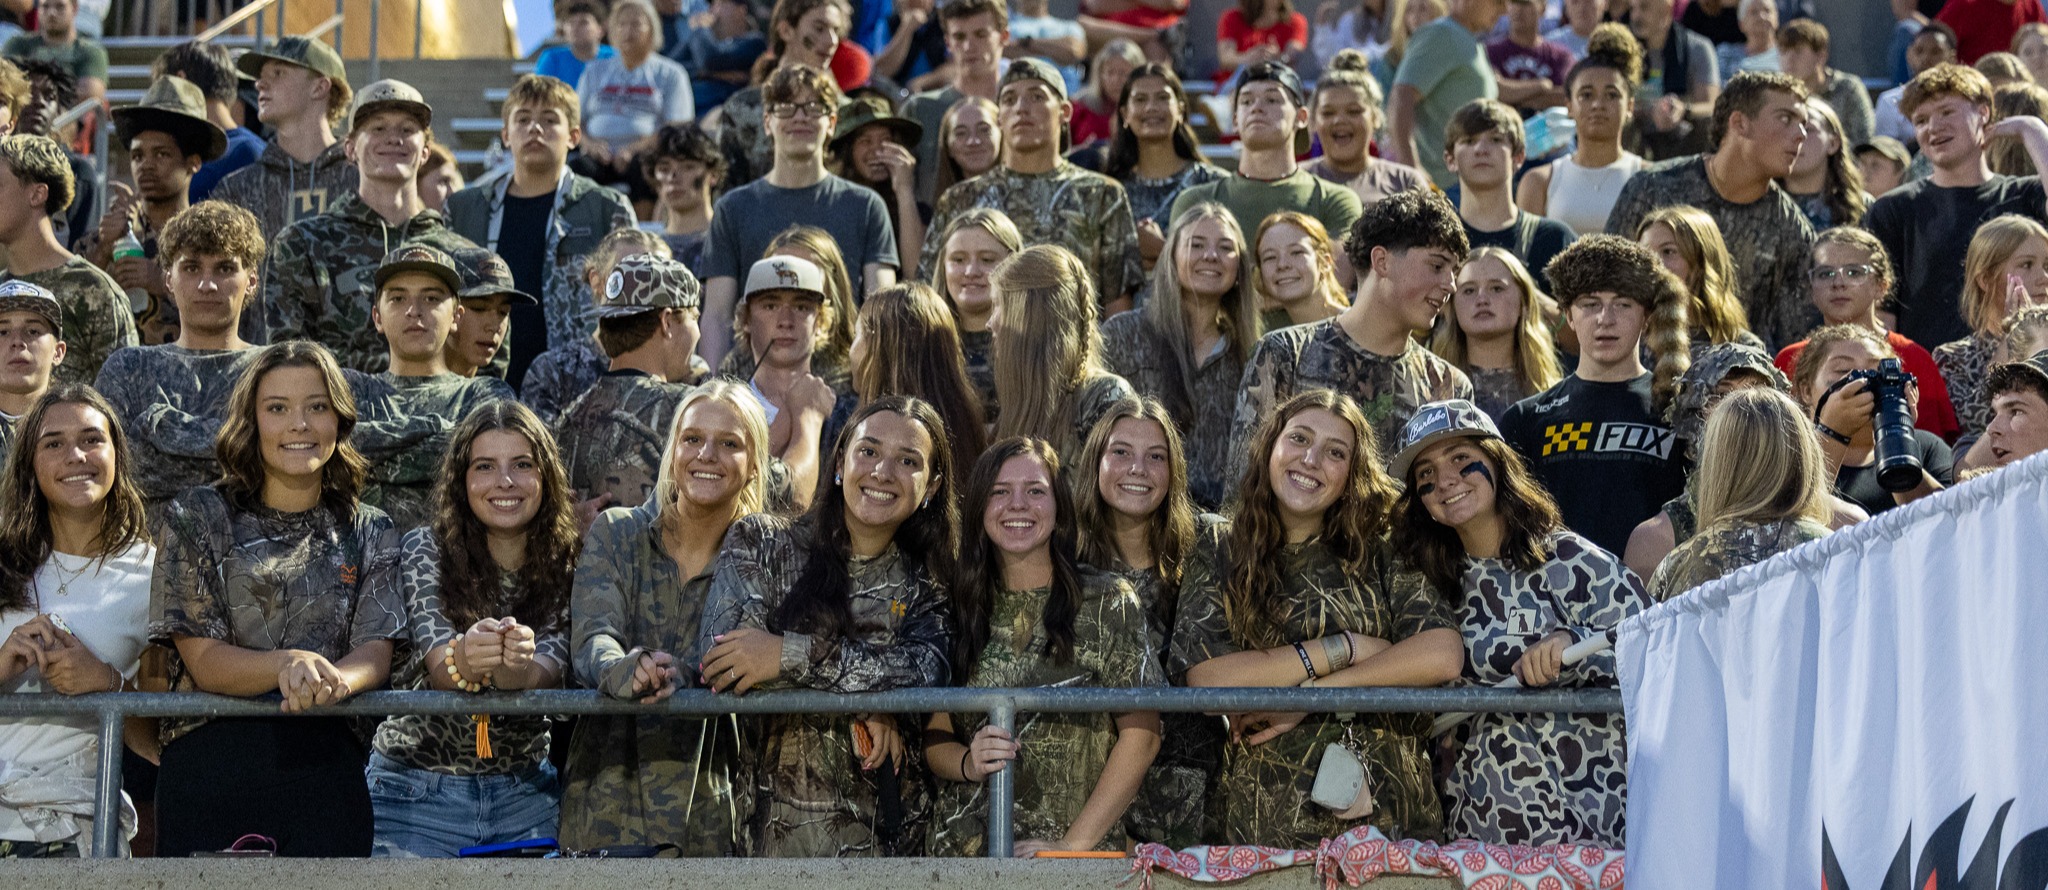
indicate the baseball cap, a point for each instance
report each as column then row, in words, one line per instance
column 1435, row 422
column 305, row 52
column 2007, row 376
column 420, row 258
column 646, row 283
column 17, row 295
column 1892, row 149
column 486, row 274
column 1715, row 363
column 1030, row 68
column 390, row 95
column 786, row 273
column 1277, row 72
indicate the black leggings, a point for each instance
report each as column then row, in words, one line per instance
column 298, row 780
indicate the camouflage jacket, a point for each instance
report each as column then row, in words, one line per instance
column 643, row 780
column 97, row 319
column 402, row 483
column 584, row 213
column 743, row 138
column 1724, row 547
column 1084, row 212
column 803, row 793
column 976, row 346
column 318, row 283
column 282, row 190
column 171, row 401
column 1064, row 753
column 1131, row 350
column 613, row 436
column 560, row 375
column 1263, row 792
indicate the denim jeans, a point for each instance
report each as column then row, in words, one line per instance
column 421, row 813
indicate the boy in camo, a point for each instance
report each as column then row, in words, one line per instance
column 562, row 373
column 1051, row 200
column 31, row 329
column 318, row 284
column 168, row 138
column 477, row 345
column 613, row 435
column 415, row 311
column 35, row 177
column 301, row 92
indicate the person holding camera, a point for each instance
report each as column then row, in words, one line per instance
column 1864, row 416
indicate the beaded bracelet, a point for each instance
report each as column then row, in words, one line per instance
column 455, row 674
column 1306, row 664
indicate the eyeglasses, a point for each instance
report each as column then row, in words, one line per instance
column 813, row 110
column 1854, row 274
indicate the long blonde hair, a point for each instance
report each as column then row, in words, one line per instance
column 988, row 219
column 1327, row 284
column 1163, row 320
column 753, row 421
column 1760, row 462
column 1046, row 345
column 1710, row 272
column 1535, row 353
column 1983, row 300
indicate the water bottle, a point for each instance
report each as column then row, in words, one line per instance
column 128, row 246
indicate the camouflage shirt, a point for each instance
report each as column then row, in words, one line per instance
column 402, row 483
column 1495, row 390
column 268, row 581
column 318, row 282
column 803, row 792
column 1131, row 350
column 1767, row 238
column 1084, row 212
column 613, row 436
column 1263, row 792
column 561, row 374
column 282, row 190
column 1965, row 367
column 643, row 780
column 976, row 347
column 743, row 138
column 446, row 743
column 1388, row 388
column 1541, row 779
column 171, row 401
column 1724, row 547
column 1064, row 754
column 97, row 320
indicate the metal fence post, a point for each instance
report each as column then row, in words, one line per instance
column 376, row 63
column 1002, row 788
column 100, row 160
column 341, row 33
column 106, row 812
column 419, row 24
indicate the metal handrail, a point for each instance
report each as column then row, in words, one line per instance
column 74, row 114
column 237, row 17
column 1000, row 704
column 333, row 21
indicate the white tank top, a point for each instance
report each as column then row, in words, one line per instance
column 1582, row 197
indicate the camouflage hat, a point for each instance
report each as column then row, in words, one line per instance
column 861, row 111
column 305, row 52
column 390, row 95
column 420, row 258
column 2013, row 375
column 1714, row 364
column 485, row 274
column 1435, row 422
column 786, row 273
column 645, row 283
column 175, row 106
column 1040, row 70
column 17, row 295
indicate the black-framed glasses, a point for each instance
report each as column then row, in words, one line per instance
column 1853, row 274
column 812, row 110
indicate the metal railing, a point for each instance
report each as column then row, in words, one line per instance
column 1001, row 706
column 73, row 115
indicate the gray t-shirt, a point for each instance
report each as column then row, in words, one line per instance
column 749, row 217
column 621, row 104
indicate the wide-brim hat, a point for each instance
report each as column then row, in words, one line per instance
column 17, row 295
column 1435, row 422
column 486, row 274
column 312, row 55
column 173, row 105
column 390, row 95
column 865, row 110
column 420, row 258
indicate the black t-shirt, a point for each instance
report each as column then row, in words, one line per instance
column 1927, row 230
column 1859, row 484
column 523, row 242
column 1608, row 460
column 1723, row 28
column 1532, row 239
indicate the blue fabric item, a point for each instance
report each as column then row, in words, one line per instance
column 421, row 813
column 561, row 63
column 704, row 54
column 244, row 148
column 871, row 24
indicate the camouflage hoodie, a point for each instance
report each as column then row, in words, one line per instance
column 282, row 190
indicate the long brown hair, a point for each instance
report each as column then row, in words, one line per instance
column 470, row 578
column 786, row 12
column 239, row 447
column 980, row 575
column 25, row 523
column 950, row 171
column 1123, row 144
column 1843, row 188
column 1352, row 527
column 1171, row 531
column 913, row 349
column 1528, row 516
column 1536, row 364
column 1710, row 273
column 1238, row 312
column 1047, row 345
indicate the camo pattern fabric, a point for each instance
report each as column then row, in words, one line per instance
column 1495, row 390
column 1171, row 806
column 1965, row 367
column 1262, row 795
column 803, row 791
column 171, row 401
column 1320, row 355
column 264, row 580
column 1084, row 212
column 1541, row 779
column 743, row 138
column 1723, row 547
column 402, row 484
column 613, row 436
column 643, row 780
column 1142, row 359
column 976, row 347
column 281, row 190
column 1712, row 363
column 97, row 320
column 1064, row 754
column 560, row 375
column 319, row 283
column 446, row 743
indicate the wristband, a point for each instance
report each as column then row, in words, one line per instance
column 1333, row 653
column 1829, row 432
column 963, row 764
column 1306, row 664
column 455, row 674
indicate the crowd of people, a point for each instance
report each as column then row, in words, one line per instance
column 751, row 370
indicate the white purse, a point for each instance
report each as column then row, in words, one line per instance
column 1343, row 779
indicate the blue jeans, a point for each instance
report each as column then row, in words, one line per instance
column 421, row 813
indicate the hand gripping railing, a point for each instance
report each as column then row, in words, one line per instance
column 1001, row 705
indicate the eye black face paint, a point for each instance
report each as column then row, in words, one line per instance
column 1425, row 489
column 1480, row 468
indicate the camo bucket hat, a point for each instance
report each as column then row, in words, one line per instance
column 644, row 283
column 1435, row 422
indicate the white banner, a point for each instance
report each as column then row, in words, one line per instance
column 1866, row 712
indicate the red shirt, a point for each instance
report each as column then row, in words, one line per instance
column 1937, row 413
column 1290, row 34
column 1987, row 26
column 1087, row 125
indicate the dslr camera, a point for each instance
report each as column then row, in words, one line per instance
column 1892, row 425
